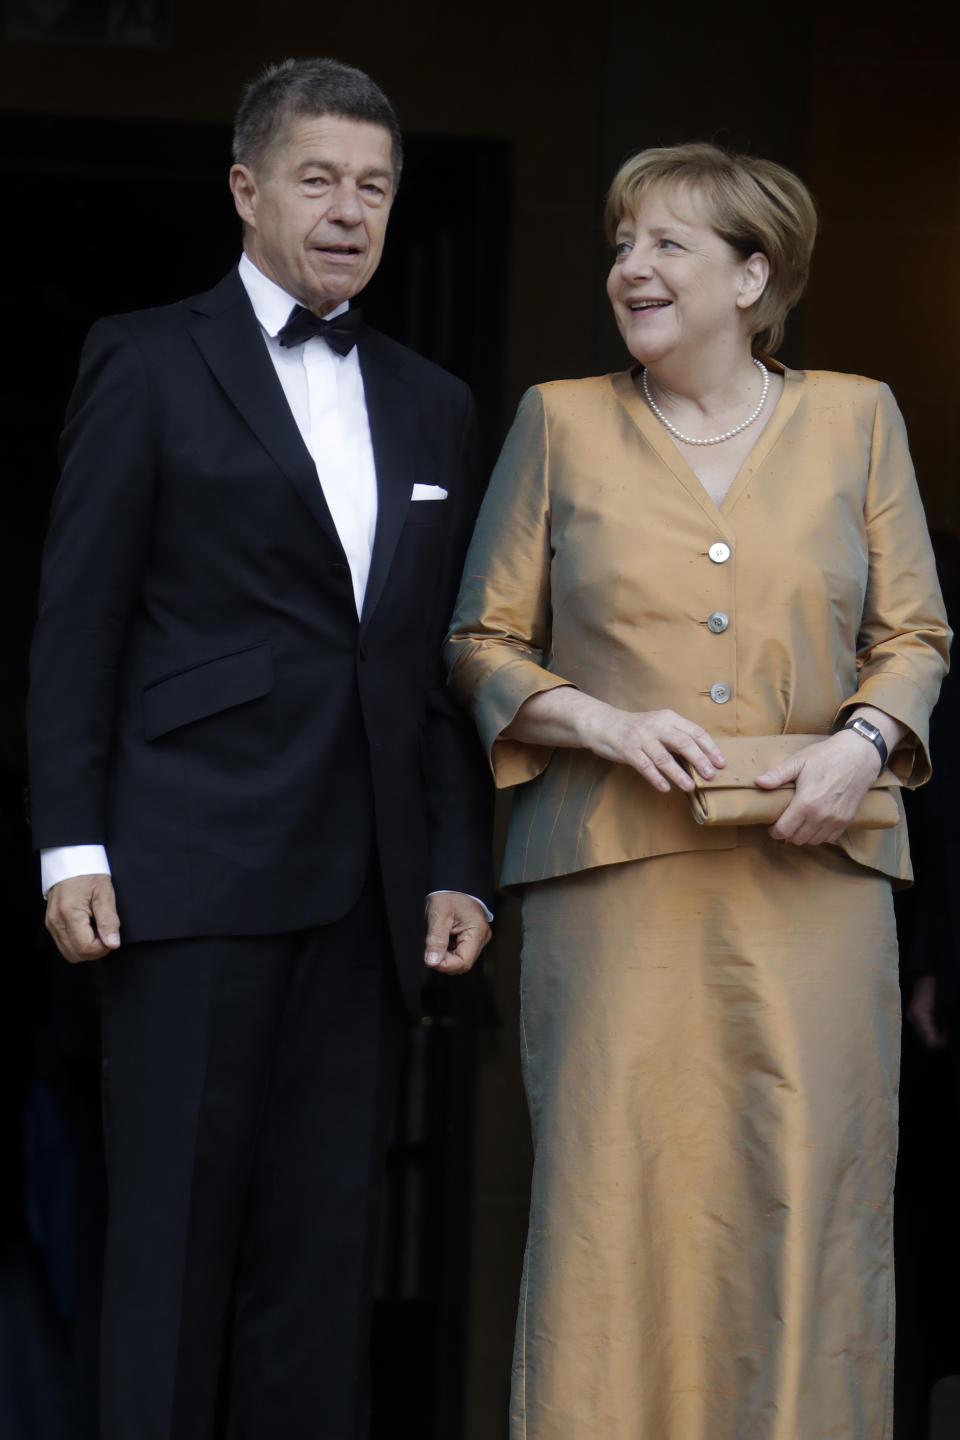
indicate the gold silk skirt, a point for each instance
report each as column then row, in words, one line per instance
column 711, row 1050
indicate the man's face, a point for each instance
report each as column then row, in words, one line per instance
column 315, row 209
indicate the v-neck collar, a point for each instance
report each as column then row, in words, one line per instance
column 658, row 439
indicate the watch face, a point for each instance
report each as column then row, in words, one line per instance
column 871, row 733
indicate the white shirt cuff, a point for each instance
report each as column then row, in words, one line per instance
column 64, row 862
column 487, row 913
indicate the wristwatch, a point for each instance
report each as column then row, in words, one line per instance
column 871, row 733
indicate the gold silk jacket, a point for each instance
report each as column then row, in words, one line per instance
column 600, row 561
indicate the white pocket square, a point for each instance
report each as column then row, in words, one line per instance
column 428, row 492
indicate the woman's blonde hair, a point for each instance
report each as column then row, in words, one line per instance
column 752, row 204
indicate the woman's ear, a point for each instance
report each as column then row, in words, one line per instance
column 753, row 281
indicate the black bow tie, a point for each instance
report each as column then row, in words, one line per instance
column 341, row 333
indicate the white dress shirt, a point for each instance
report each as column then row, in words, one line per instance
column 325, row 393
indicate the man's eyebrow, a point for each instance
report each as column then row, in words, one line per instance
column 370, row 173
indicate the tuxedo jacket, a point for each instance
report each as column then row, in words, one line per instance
column 204, row 699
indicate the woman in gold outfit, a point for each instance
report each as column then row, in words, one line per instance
column 704, row 546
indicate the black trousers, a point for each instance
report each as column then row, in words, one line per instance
column 248, row 1091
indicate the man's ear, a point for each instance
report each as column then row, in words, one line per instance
column 756, row 273
column 244, row 188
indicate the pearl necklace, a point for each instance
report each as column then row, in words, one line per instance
column 714, row 439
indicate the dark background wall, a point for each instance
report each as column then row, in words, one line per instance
column 861, row 101
column 113, row 161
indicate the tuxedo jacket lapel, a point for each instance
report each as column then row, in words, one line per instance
column 394, row 415
column 226, row 332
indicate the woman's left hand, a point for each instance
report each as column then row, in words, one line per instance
column 832, row 777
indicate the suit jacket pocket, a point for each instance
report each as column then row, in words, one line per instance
column 207, row 689
column 430, row 513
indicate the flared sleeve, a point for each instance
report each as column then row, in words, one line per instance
column 498, row 647
column 904, row 640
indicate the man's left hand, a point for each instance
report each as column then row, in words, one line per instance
column 457, row 931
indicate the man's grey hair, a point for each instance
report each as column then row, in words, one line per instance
column 297, row 89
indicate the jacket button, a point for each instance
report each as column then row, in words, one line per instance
column 720, row 693
column 718, row 622
column 719, row 552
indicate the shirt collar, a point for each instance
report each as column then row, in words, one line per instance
column 271, row 304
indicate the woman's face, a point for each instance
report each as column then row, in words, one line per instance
column 675, row 286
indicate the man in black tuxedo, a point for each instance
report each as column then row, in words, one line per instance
column 238, row 720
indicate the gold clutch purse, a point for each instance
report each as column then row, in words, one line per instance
column 731, row 797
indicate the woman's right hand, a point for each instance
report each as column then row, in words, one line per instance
column 648, row 741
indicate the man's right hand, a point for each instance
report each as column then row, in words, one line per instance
column 82, row 917
column 922, row 1012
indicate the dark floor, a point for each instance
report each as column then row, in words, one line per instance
column 927, row 1231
